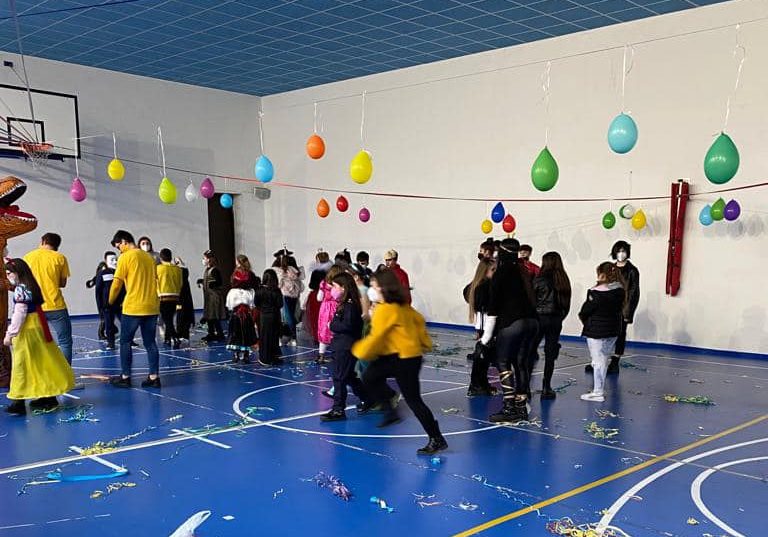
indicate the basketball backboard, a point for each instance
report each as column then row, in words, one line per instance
column 55, row 121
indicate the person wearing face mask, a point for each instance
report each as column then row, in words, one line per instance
column 91, row 284
column 136, row 273
column 146, row 244
column 214, row 310
column 185, row 313
column 364, row 260
column 525, row 260
column 631, row 277
column 109, row 312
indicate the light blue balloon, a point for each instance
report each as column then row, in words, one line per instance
column 705, row 216
column 226, row 201
column 622, row 134
column 498, row 213
column 264, row 169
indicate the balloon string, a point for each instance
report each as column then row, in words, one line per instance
column 162, row 148
column 362, row 120
column 625, row 72
column 261, row 131
column 77, row 168
column 114, row 144
column 545, row 88
column 315, row 127
column 739, row 47
column 630, row 183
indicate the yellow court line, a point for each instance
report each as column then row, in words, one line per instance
column 607, row 479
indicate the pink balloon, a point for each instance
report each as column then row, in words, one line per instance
column 207, row 189
column 364, row 215
column 77, row 190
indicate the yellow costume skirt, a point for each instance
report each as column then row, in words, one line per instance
column 39, row 368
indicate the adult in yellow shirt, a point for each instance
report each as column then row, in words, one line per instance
column 169, row 282
column 395, row 345
column 51, row 270
column 136, row 271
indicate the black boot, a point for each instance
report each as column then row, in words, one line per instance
column 102, row 332
column 521, row 410
column 435, row 444
column 588, row 368
column 16, row 408
column 505, row 415
column 613, row 367
column 334, row 415
column 548, row 393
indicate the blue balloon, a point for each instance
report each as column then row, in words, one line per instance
column 622, row 134
column 226, row 201
column 264, row 169
column 498, row 213
column 705, row 216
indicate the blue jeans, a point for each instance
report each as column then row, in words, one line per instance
column 128, row 326
column 59, row 322
column 289, row 309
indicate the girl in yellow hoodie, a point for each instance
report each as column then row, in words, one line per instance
column 394, row 346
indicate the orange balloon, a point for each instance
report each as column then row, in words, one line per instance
column 323, row 209
column 315, row 147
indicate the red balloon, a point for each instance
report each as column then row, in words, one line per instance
column 342, row 204
column 508, row 224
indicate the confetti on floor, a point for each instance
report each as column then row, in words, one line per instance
column 694, row 399
column 599, row 433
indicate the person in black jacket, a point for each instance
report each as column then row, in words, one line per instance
column 631, row 276
column 269, row 300
column 214, row 294
column 109, row 312
column 347, row 328
column 602, row 318
column 90, row 284
column 553, row 302
column 479, row 298
column 185, row 312
column 512, row 318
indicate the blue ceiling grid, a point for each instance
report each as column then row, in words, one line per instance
column 262, row 47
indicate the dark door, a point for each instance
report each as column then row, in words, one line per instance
column 221, row 236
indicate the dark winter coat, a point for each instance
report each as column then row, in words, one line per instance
column 602, row 311
column 632, row 279
column 511, row 295
column 346, row 325
column 548, row 301
column 214, row 305
column 103, row 280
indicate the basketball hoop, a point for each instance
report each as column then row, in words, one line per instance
column 37, row 152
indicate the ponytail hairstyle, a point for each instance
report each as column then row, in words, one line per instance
column 552, row 267
column 481, row 274
column 612, row 274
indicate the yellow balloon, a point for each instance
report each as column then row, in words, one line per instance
column 638, row 220
column 361, row 167
column 116, row 170
column 167, row 191
column 486, row 226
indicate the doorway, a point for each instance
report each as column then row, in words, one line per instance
column 221, row 236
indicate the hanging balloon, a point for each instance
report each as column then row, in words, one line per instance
column 167, row 191
column 609, row 220
column 718, row 210
column 364, row 215
column 498, row 212
column 315, row 147
column 191, row 193
column 508, row 224
column 264, row 170
column 622, row 134
column 77, row 190
column 361, row 167
column 116, row 170
column 226, row 201
column 705, row 215
column 323, row 209
column 732, row 210
column 207, row 189
column 342, row 204
column 486, row 226
column 544, row 172
column 722, row 160
column 627, row 211
column 638, row 220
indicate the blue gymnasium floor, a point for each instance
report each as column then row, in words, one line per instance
column 255, row 476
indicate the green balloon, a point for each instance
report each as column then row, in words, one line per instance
column 722, row 160
column 718, row 209
column 544, row 172
column 609, row 220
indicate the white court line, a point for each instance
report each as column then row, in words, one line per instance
column 201, row 438
column 69, row 395
column 664, row 357
column 96, row 458
column 696, row 493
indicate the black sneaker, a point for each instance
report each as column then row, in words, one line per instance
column 16, row 408
column 120, row 382
column 363, row 407
column 481, row 391
column 151, row 383
column 613, row 367
column 110, row 347
column 510, row 414
column 548, row 393
column 390, row 419
column 588, row 368
column 433, row 446
column 333, row 415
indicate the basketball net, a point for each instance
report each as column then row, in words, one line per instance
column 37, row 153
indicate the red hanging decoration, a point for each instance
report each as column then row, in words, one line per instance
column 678, row 201
column 342, row 204
column 509, row 224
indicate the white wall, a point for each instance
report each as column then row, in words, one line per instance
column 478, row 136
column 203, row 129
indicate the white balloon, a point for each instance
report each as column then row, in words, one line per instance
column 627, row 211
column 191, row 193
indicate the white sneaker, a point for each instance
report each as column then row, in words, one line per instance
column 592, row 396
column 292, row 343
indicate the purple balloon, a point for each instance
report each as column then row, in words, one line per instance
column 732, row 210
column 364, row 215
column 207, row 189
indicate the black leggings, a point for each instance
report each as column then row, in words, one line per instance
column 344, row 375
column 621, row 341
column 550, row 327
column 214, row 328
column 167, row 312
column 406, row 373
column 513, row 345
column 483, row 359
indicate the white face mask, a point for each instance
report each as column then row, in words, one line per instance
column 373, row 295
column 13, row 279
column 205, row 262
column 145, row 247
column 112, row 261
column 621, row 257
